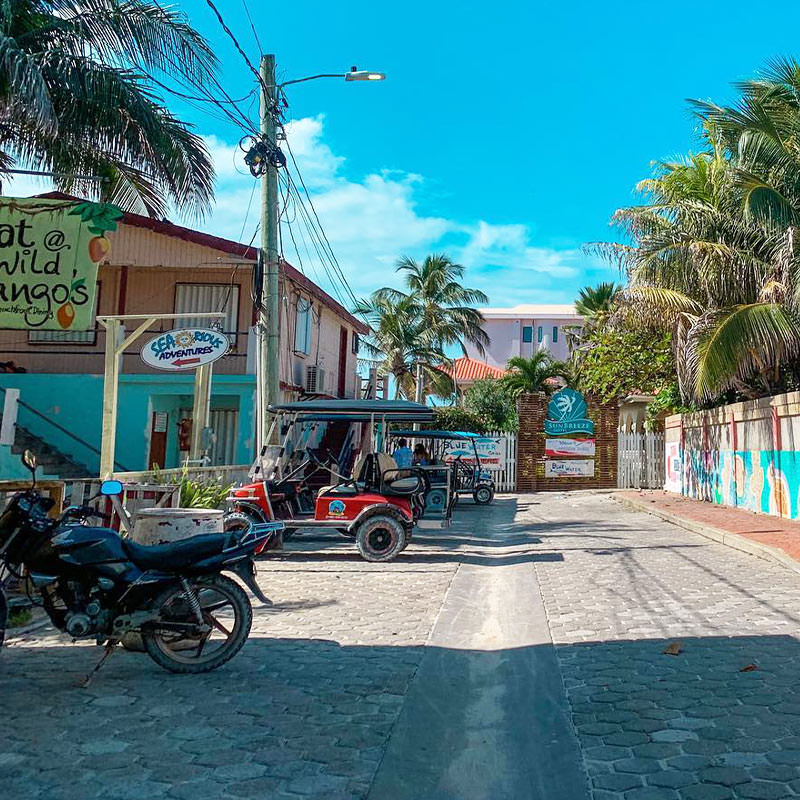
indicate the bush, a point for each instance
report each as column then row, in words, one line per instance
column 452, row 418
column 491, row 401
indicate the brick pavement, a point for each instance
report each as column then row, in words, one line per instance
column 304, row 710
column 693, row 726
column 775, row 532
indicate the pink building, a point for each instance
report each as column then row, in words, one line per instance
column 524, row 329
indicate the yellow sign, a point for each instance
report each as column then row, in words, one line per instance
column 49, row 252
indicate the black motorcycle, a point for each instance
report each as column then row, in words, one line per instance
column 94, row 583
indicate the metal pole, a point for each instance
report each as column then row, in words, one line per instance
column 268, row 379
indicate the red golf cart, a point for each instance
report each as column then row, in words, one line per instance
column 359, row 492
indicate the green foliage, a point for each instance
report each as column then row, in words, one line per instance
column 491, row 401
column 197, row 494
column 533, row 374
column 623, row 361
column 668, row 401
column 453, row 418
column 595, row 303
column 79, row 96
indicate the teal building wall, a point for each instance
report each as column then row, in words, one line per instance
column 74, row 403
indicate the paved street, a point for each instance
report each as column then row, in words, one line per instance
column 436, row 676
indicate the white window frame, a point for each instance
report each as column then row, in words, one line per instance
column 212, row 302
column 304, row 316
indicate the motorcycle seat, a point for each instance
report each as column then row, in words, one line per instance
column 176, row 555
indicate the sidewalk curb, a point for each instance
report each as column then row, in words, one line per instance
column 733, row 540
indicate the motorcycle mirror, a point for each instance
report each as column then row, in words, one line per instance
column 29, row 460
column 110, row 488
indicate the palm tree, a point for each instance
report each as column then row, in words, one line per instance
column 595, row 303
column 708, row 262
column 443, row 304
column 533, row 374
column 399, row 340
column 77, row 97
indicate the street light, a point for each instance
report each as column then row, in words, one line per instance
column 355, row 74
column 267, row 377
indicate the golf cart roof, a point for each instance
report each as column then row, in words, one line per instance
column 438, row 435
column 322, row 410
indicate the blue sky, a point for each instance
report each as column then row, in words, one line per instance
column 506, row 133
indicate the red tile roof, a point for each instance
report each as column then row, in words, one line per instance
column 167, row 228
column 470, row 369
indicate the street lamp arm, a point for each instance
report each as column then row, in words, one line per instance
column 313, row 78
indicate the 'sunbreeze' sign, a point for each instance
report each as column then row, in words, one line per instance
column 566, row 414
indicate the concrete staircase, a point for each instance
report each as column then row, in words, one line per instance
column 52, row 462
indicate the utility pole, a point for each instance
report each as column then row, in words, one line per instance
column 267, row 375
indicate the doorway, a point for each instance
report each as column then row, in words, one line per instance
column 342, row 361
column 158, row 440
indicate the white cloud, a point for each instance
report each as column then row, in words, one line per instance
column 373, row 219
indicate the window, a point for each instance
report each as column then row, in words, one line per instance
column 539, row 334
column 199, row 297
column 555, row 333
column 356, row 343
column 71, row 337
column 302, row 331
column 527, row 333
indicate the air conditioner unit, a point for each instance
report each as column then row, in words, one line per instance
column 315, row 380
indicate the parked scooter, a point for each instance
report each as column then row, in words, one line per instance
column 94, row 583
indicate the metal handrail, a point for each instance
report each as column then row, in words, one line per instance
column 61, row 428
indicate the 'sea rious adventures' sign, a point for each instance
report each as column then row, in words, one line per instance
column 49, row 252
column 566, row 414
column 187, row 348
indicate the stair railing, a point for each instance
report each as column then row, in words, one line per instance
column 68, row 432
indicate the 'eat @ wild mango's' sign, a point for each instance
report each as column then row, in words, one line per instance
column 49, row 252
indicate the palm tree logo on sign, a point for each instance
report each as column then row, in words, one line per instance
column 566, row 414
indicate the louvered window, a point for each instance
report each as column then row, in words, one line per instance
column 200, row 297
column 302, row 334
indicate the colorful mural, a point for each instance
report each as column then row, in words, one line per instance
column 765, row 481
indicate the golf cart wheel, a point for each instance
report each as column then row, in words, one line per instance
column 483, row 495
column 380, row 538
column 238, row 521
column 436, row 500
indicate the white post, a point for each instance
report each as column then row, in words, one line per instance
column 202, row 408
column 110, row 387
column 9, row 424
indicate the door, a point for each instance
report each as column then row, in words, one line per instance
column 158, row 440
column 342, row 361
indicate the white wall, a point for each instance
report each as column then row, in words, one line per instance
column 506, row 340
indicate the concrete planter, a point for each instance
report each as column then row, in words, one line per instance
column 162, row 525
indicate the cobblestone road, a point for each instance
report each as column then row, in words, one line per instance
column 308, row 707
column 659, row 727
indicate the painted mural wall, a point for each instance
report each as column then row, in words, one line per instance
column 745, row 455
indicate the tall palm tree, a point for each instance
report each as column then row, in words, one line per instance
column 533, row 374
column 595, row 303
column 704, row 262
column 399, row 341
column 77, row 97
column 444, row 306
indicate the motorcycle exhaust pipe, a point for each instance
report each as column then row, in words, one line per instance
column 246, row 571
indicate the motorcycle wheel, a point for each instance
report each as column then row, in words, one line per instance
column 225, row 606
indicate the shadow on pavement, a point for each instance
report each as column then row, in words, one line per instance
column 293, row 713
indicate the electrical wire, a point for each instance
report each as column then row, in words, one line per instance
column 252, row 26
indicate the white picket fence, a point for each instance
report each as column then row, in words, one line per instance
column 640, row 460
column 505, row 480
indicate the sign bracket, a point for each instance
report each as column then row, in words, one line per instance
column 113, row 354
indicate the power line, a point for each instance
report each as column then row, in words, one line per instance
column 252, row 27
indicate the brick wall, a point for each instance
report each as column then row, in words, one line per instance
column 532, row 409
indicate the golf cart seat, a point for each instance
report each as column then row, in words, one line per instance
column 357, row 484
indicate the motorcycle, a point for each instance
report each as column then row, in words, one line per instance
column 94, row 583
